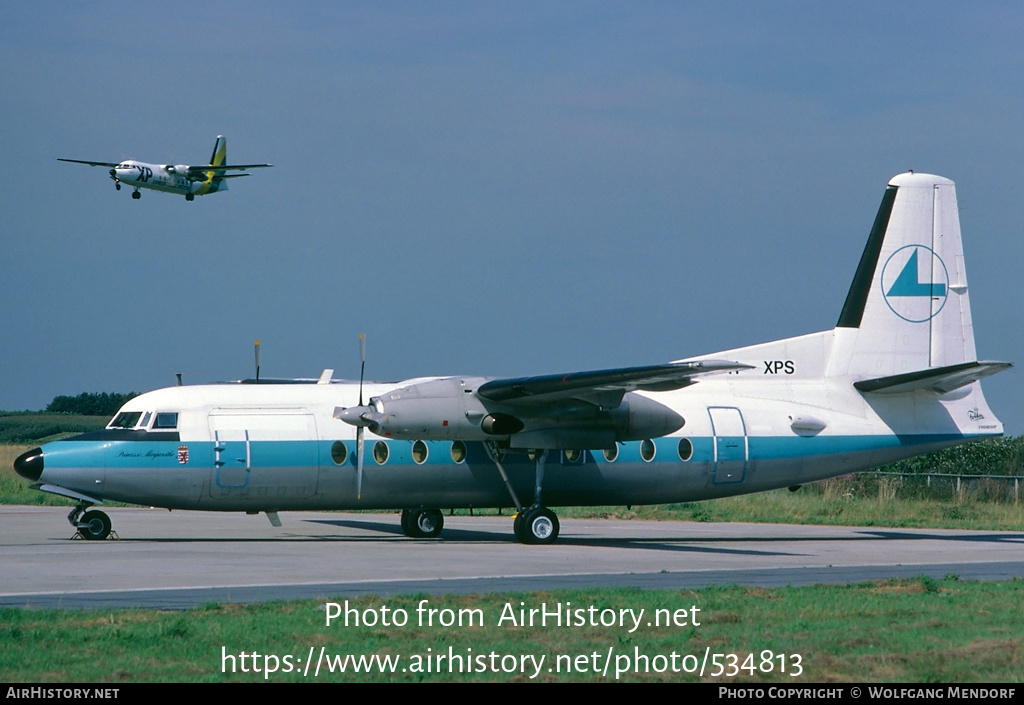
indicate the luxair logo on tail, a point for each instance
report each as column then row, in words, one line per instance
column 915, row 283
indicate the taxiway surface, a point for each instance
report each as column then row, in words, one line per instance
column 173, row 560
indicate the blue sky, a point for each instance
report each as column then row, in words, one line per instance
column 484, row 188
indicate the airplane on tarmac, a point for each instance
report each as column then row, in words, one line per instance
column 898, row 376
column 182, row 179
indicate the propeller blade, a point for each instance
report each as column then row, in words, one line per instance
column 257, row 362
column 362, row 364
column 359, row 462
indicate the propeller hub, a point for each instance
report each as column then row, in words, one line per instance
column 359, row 416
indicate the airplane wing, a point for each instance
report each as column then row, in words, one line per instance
column 80, row 161
column 602, row 386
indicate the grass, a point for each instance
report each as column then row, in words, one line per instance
column 921, row 631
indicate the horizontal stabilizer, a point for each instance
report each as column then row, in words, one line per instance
column 938, row 379
column 192, row 170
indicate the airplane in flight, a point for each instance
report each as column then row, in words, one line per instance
column 898, row 376
column 182, row 179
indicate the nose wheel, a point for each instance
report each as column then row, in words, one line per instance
column 136, row 195
column 92, row 525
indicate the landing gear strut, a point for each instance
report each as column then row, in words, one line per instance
column 422, row 523
column 93, row 525
column 536, row 524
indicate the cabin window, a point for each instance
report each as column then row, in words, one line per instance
column 165, row 419
column 339, row 453
column 419, row 452
column 647, row 450
column 685, row 449
column 458, row 451
column 126, row 419
column 610, row 454
column 380, row 452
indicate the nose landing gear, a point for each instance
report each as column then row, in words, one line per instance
column 92, row 525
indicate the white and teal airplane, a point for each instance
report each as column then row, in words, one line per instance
column 898, row 376
column 182, row 179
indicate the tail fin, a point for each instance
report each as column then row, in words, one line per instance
column 220, row 152
column 906, row 323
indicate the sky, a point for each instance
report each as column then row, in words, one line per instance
column 485, row 188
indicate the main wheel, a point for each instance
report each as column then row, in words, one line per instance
column 422, row 523
column 190, row 197
column 428, row 523
column 94, row 525
column 539, row 526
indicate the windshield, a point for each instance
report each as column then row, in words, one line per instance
column 126, row 419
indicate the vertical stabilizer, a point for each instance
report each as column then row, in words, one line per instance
column 908, row 308
column 215, row 180
column 220, row 152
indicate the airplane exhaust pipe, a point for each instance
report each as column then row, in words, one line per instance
column 501, row 425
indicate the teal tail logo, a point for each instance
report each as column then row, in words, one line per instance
column 915, row 283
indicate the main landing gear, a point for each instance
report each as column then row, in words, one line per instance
column 92, row 525
column 536, row 524
column 190, row 197
column 422, row 523
column 136, row 195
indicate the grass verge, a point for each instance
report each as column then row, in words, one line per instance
column 920, row 630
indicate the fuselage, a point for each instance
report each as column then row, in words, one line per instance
column 164, row 177
column 271, row 447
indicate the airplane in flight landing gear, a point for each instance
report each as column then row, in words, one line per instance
column 896, row 377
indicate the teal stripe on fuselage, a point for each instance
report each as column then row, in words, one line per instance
column 127, row 454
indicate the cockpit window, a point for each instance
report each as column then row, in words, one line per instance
column 166, row 419
column 146, row 418
column 126, row 419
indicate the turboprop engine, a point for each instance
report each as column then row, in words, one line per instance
column 176, row 169
column 449, row 409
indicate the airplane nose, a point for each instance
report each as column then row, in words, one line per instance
column 30, row 464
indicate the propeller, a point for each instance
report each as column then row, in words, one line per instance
column 359, row 428
column 257, row 362
column 360, row 416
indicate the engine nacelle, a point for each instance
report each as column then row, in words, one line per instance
column 442, row 409
column 448, row 409
column 180, row 169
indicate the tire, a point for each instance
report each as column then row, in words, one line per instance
column 94, row 526
column 428, row 523
column 539, row 526
column 422, row 523
column 407, row 522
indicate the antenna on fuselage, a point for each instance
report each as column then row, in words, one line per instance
column 257, row 362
